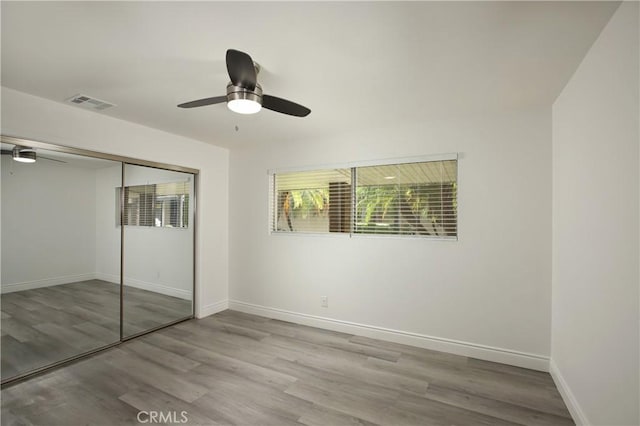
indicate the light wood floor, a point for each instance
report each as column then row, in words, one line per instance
column 49, row 324
column 234, row 368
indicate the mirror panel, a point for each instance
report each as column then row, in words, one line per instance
column 60, row 276
column 158, row 247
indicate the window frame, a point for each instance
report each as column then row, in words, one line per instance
column 354, row 166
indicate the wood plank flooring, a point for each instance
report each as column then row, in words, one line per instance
column 49, row 324
column 238, row 369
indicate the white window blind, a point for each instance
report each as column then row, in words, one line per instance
column 407, row 199
column 312, row 201
column 155, row 205
column 414, row 198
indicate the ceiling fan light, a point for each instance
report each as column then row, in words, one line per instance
column 24, row 155
column 243, row 100
column 244, row 106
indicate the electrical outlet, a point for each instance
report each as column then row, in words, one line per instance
column 324, row 301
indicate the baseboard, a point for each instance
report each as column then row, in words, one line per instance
column 144, row 285
column 473, row 350
column 158, row 288
column 567, row 396
column 47, row 282
column 110, row 278
column 213, row 308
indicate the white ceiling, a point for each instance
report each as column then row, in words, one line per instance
column 354, row 65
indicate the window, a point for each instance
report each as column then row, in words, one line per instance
column 155, row 205
column 412, row 198
column 407, row 199
column 315, row 201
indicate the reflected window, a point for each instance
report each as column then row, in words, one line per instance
column 162, row 205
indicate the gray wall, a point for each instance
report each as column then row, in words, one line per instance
column 595, row 325
column 48, row 224
column 487, row 295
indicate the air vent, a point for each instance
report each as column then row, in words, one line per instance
column 88, row 102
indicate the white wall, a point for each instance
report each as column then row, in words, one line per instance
column 487, row 295
column 156, row 259
column 107, row 233
column 594, row 350
column 48, row 222
column 40, row 119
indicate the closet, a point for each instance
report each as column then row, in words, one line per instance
column 96, row 249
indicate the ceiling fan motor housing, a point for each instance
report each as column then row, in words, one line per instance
column 239, row 92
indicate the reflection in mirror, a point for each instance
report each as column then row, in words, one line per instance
column 158, row 241
column 60, row 258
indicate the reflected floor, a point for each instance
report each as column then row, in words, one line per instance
column 49, row 324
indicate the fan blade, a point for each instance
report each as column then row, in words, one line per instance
column 203, row 102
column 50, row 159
column 284, row 106
column 241, row 70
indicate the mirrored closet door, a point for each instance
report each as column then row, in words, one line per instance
column 60, row 257
column 95, row 250
column 158, row 247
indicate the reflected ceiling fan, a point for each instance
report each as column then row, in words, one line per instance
column 244, row 94
column 25, row 154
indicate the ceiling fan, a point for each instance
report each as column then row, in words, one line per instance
column 244, row 94
column 25, row 154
